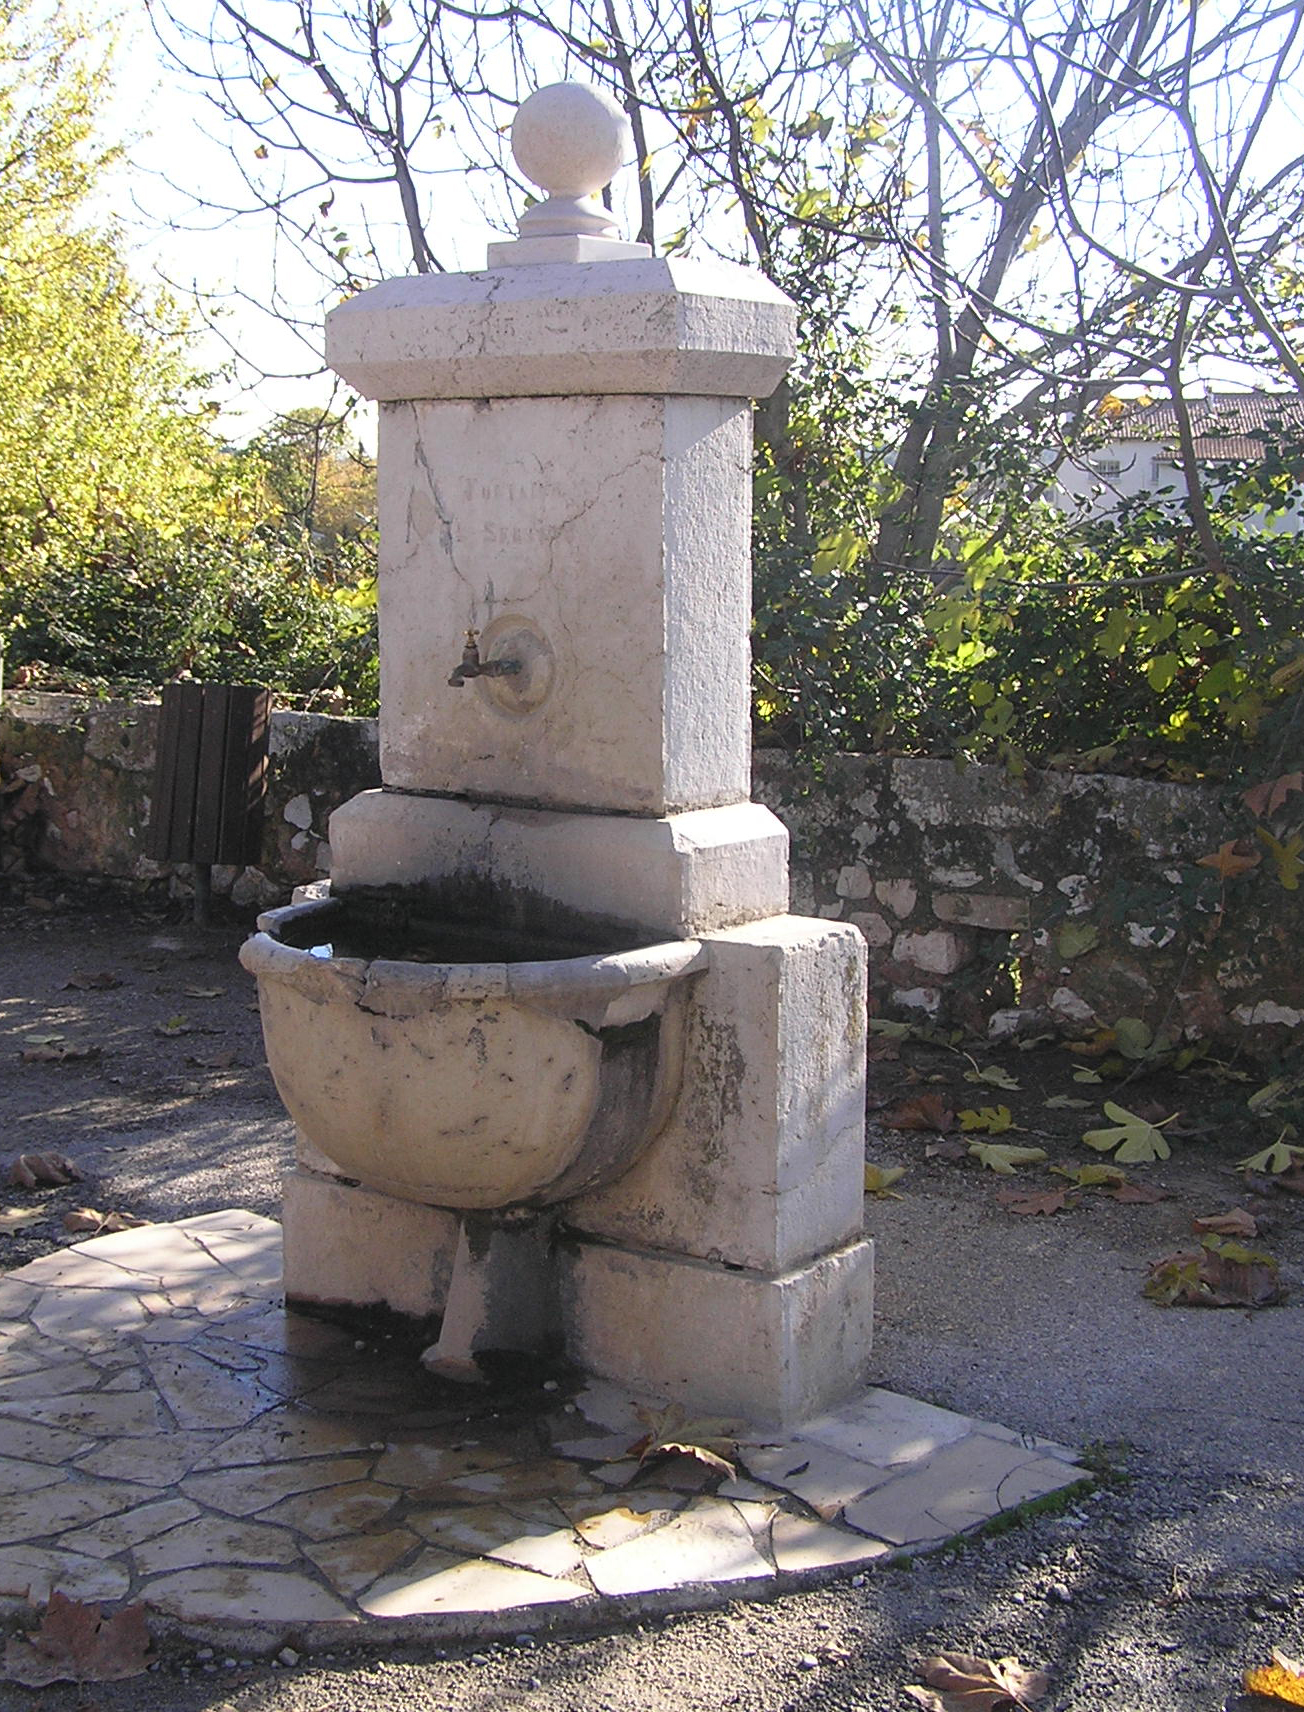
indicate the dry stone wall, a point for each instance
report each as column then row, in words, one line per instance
column 1061, row 904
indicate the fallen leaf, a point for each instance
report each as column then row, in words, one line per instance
column 1135, row 1138
column 1092, row 1176
column 950, row 1149
column 892, row 1030
column 958, row 1682
column 1219, row 1274
column 1083, row 1073
column 85, row 981
column 998, row 1156
column 1133, row 1036
column 78, row 1643
column 174, row 1025
column 1045, row 1201
column 43, row 1171
column 670, row 1433
column 1277, row 1156
column 1237, row 1222
column 57, row 1054
column 212, row 1060
column 101, row 1224
column 1075, row 938
column 993, row 1076
column 1283, row 1680
column 993, row 1120
column 880, row 1178
column 1066, row 1102
column 923, row 1111
column 203, row 992
column 1231, row 860
column 1265, row 799
column 1137, row 1194
column 14, row 1218
column 1285, row 855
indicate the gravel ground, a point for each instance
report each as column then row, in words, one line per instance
column 1185, row 1567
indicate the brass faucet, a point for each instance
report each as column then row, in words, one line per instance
column 474, row 667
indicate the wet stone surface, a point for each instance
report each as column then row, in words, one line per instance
column 169, row 1434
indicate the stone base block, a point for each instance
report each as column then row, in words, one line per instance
column 762, row 1162
column 677, row 876
column 349, row 1246
column 773, row 1351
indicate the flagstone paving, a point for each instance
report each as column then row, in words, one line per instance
column 169, row 1434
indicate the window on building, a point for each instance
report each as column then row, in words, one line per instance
column 1107, row 466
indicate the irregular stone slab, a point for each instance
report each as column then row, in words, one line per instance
column 350, row 1564
column 231, row 1219
column 70, row 1504
column 962, row 1485
column 281, row 1332
column 216, row 1540
column 200, row 1393
column 81, row 1267
column 130, row 1527
column 30, row 1572
column 160, row 1461
column 246, row 1491
column 542, row 1479
column 282, row 1436
column 481, row 1528
column 89, row 1318
column 418, row 1465
column 178, row 1328
column 557, row 1553
column 1030, row 1441
column 51, row 1381
column 886, row 1429
column 434, row 1584
column 626, row 1522
column 223, row 1593
column 19, row 1476
column 121, row 1414
column 825, row 1479
column 710, row 1542
column 800, row 1544
column 329, row 1512
column 34, row 1443
column 16, row 1296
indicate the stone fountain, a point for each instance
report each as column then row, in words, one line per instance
column 565, row 1073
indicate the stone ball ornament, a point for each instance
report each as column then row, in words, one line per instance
column 571, row 139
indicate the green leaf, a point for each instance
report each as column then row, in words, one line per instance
column 1073, row 938
column 1000, row 1157
column 880, row 1178
column 1277, row 1157
column 995, row 1120
column 1083, row 1073
column 1161, row 671
column 1136, row 1139
column 1065, row 1102
column 1286, row 856
column 1133, row 1037
column 993, row 1076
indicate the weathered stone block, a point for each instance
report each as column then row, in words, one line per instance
column 982, row 909
column 767, row 1349
column 762, row 1161
column 937, row 952
column 345, row 1244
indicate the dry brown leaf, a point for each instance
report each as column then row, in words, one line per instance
column 1137, row 1194
column 1282, row 1680
column 1237, row 1222
column 43, row 1171
column 78, row 1643
column 14, row 1218
column 958, row 1682
column 1231, row 860
column 1291, row 1181
column 212, row 1060
column 1045, row 1201
column 951, row 1149
column 101, row 1224
column 670, row 1433
column 1265, row 799
column 88, row 981
column 922, row 1111
column 1218, row 1274
column 57, row 1054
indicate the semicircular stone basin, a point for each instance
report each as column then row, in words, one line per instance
column 485, row 1082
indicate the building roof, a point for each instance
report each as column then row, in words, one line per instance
column 1225, row 424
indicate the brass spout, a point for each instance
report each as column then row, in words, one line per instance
column 473, row 666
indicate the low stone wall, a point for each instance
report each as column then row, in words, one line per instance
column 77, row 776
column 1060, row 904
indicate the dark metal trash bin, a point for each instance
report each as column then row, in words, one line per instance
column 210, row 778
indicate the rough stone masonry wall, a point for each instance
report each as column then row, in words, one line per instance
column 1060, row 904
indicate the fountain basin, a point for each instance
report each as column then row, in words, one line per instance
column 471, row 1083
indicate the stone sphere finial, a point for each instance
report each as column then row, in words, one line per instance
column 570, row 139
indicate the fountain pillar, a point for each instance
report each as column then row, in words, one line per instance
column 565, row 448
